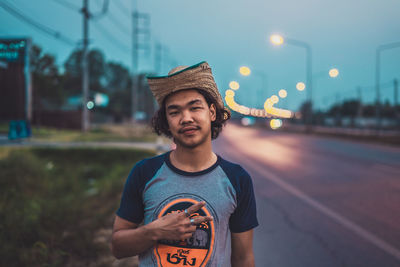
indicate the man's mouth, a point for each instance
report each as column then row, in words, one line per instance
column 189, row 130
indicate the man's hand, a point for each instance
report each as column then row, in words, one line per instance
column 130, row 239
column 179, row 225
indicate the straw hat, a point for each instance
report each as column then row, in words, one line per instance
column 198, row 76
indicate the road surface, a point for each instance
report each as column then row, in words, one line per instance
column 320, row 201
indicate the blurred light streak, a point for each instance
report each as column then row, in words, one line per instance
column 276, row 112
column 268, row 110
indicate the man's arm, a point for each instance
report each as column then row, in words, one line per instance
column 242, row 249
column 130, row 239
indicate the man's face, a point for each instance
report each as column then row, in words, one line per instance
column 189, row 118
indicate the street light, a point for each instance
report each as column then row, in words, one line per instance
column 282, row 93
column 245, row 71
column 380, row 49
column 300, row 86
column 277, row 39
column 333, row 73
column 234, row 85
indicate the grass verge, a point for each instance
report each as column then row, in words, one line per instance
column 54, row 201
column 98, row 133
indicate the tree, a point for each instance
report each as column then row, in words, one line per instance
column 116, row 77
column 350, row 108
column 73, row 71
column 305, row 109
column 46, row 81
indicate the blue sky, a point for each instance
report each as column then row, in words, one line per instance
column 228, row 34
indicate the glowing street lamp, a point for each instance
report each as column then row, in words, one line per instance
column 282, row 93
column 234, row 85
column 275, row 123
column 300, row 86
column 277, row 39
column 245, row 71
column 333, row 73
column 274, row 99
column 378, row 51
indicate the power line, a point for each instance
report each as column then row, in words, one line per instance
column 68, row 5
column 112, row 38
column 122, row 8
column 16, row 13
column 120, row 26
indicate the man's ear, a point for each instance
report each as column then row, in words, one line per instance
column 213, row 112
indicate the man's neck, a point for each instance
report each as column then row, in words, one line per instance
column 193, row 159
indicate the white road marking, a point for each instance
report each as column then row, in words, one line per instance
column 375, row 240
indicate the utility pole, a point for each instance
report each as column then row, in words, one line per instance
column 360, row 107
column 379, row 50
column 338, row 111
column 85, row 67
column 85, row 123
column 134, row 63
column 396, row 88
column 140, row 28
column 158, row 58
column 396, row 103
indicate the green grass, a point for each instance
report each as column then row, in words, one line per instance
column 98, row 133
column 53, row 201
column 127, row 132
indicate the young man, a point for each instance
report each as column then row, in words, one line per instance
column 190, row 198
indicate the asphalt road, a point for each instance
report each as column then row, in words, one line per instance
column 320, row 201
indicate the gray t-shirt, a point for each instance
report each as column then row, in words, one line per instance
column 155, row 188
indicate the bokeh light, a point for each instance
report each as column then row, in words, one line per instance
column 274, row 99
column 90, row 105
column 234, row 85
column 300, row 86
column 229, row 93
column 282, row 93
column 333, row 73
column 245, row 71
column 275, row 123
column 276, row 39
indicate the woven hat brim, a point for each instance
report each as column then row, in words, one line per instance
column 198, row 76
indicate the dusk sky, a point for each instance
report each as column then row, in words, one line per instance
column 228, row 34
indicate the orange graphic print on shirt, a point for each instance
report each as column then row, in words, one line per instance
column 195, row 251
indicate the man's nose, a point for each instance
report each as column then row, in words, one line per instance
column 186, row 117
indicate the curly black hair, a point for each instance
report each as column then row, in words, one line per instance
column 160, row 125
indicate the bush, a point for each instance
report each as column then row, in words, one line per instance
column 52, row 202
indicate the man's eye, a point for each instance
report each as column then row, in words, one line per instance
column 173, row 113
column 195, row 108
